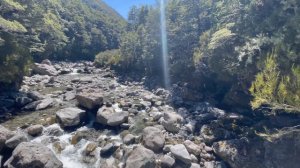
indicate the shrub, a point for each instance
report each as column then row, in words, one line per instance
column 273, row 88
column 14, row 5
column 264, row 87
column 12, row 26
column 15, row 62
column 108, row 58
column 220, row 37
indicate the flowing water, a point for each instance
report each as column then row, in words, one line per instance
column 71, row 155
column 164, row 42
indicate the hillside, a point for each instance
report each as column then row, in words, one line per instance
column 55, row 29
column 233, row 53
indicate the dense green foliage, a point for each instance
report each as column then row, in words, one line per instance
column 14, row 63
column 271, row 87
column 76, row 29
column 55, row 29
column 109, row 57
column 231, row 52
column 222, row 48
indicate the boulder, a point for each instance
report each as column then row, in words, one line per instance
column 167, row 161
column 53, row 130
column 46, row 61
column 108, row 116
column 5, row 134
column 214, row 112
column 180, row 152
column 45, row 103
column 32, row 106
column 89, row 100
column 209, row 165
column 213, row 132
column 69, row 96
column 172, row 121
column 68, row 117
column 195, row 165
column 44, row 69
column 140, row 157
column 33, row 155
column 65, row 71
column 153, row 139
column 129, row 139
column 89, row 155
column 90, row 148
column 281, row 149
column 192, row 147
column 14, row 141
column 34, row 95
column 22, row 101
column 108, row 150
column 108, row 163
column 35, row 130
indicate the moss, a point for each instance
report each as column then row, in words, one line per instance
column 12, row 26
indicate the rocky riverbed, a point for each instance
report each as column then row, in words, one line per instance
column 74, row 115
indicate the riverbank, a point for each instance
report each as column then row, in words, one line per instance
column 82, row 116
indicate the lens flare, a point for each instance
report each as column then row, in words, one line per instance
column 164, row 41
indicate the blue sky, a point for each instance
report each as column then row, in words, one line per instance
column 123, row 6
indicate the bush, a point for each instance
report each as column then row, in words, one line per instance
column 12, row 26
column 220, row 37
column 273, row 88
column 15, row 62
column 108, row 58
column 264, row 87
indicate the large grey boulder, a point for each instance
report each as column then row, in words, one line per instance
column 172, row 121
column 141, row 157
column 14, row 141
column 46, row 61
column 180, row 152
column 34, row 95
column 129, row 139
column 5, row 134
column 32, row 155
column 167, row 161
column 45, row 103
column 108, row 116
column 153, row 139
column 192, row 147
column 53, row 130
column 68, row 117
column 279, row 150
column 44, row 69
column 90, row 100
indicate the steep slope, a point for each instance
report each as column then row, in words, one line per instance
column 55, row 29
column 233, row 53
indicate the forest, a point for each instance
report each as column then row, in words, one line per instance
column 235, row 52
column 233, row 99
